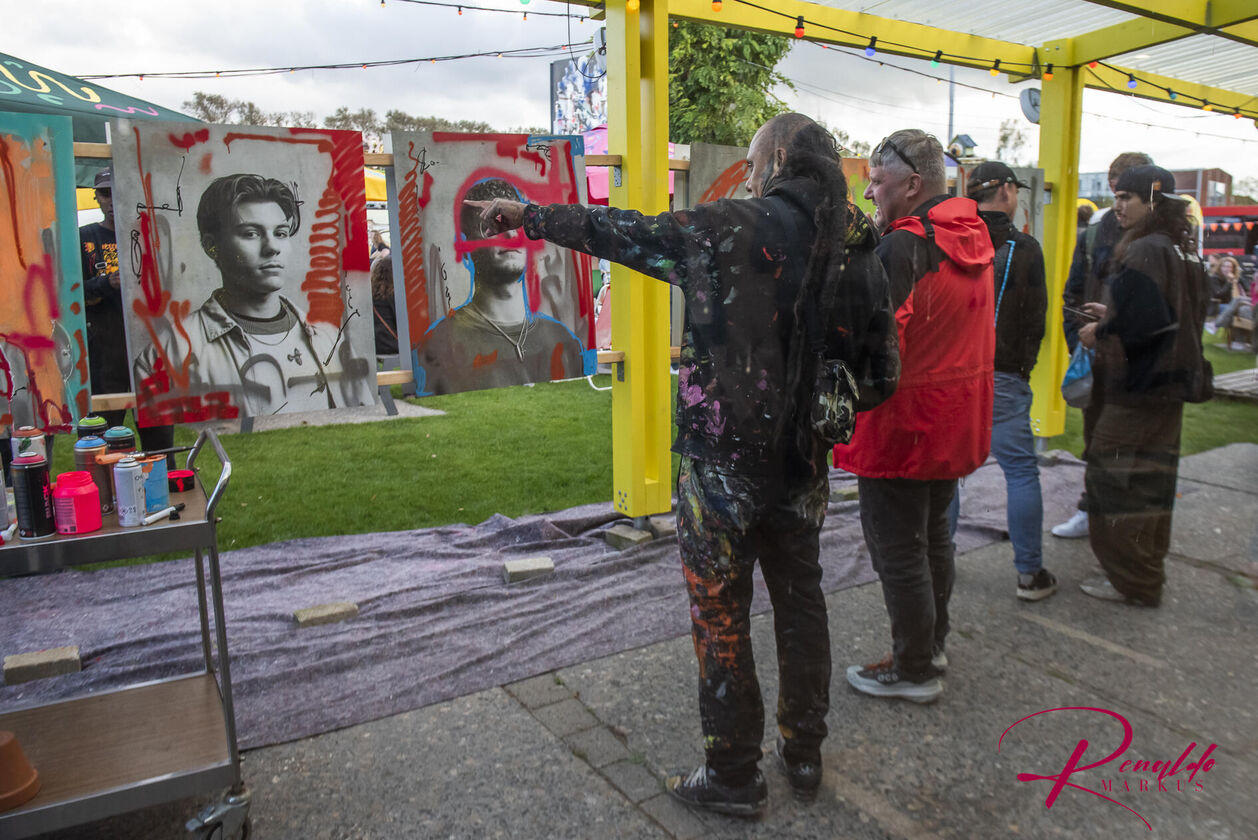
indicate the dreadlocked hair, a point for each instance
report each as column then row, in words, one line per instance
column 812, row 153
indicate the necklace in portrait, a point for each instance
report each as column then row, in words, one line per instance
column 518, row 341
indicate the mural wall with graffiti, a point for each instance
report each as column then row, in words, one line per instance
column 244, row 262
column 488, row 312
column 43, row 353
column 721, row 172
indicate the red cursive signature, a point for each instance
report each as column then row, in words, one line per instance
column 1163, row 769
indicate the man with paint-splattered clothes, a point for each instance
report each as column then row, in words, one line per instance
column 753, row 481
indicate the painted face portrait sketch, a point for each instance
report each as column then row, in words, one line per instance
column 245, row 270
column 487, row 311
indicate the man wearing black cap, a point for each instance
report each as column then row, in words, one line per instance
column 102, row 298
column 1021, row 299
column 1147, row 336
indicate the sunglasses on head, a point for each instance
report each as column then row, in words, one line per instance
column 887, row 144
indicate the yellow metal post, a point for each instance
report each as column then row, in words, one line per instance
column 1061, row 116
column 637, row 92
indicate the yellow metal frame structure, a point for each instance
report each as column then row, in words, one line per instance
column 637, row 53
column 637, row 108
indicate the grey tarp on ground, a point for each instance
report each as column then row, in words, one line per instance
column 436, row 620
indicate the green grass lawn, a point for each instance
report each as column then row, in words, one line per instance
column 513, row 451
column 1206, row 425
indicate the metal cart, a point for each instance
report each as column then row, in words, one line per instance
column 118, row 751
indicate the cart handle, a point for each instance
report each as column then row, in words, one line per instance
column 224, row 475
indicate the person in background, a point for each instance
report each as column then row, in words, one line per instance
column 1021, row 300
column 102, row 301
column 909, row 452
column 384, row 314
column 1239, row 294
column 1147, row 336
column 1088, row 268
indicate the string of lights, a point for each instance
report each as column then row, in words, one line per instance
column 521, row 52
column 461, row 6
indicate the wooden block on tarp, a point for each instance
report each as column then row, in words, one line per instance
column 622, row 536
column 24, row 667
column 529, row 567
column 326, row 613
column 663, row 525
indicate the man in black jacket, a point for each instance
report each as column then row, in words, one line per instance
column 1021, row 300
column 102, row 299
column 753, row 480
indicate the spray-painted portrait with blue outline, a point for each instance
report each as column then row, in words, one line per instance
column 495, row 337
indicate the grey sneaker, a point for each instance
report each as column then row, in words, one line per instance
column 881, row 679
column 1100, row 587
column 1038, row 586
column 1074, row 527
column 702, row 789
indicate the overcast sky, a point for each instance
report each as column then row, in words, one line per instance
column 846, row 90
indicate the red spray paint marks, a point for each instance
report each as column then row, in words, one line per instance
column 30, row 283
column 410, row 202
column 726, row 184
column 190, row 139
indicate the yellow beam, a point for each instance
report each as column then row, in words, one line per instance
column 895, row 37
column 637, row 105
column 1140, row 34
column 1200, row 15
column 1152, row 86
column 1061, row 119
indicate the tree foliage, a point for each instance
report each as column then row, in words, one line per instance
column 214, row 108
column 720, row 83
column 1011, row 142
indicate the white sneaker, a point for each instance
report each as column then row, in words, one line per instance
column 1238, row 345
column 1074, row 527
column 1211, row 328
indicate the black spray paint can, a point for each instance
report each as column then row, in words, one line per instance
column 32, row 495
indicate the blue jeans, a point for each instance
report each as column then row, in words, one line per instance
column 1013, row 445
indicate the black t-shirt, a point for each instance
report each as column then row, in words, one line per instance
column 106, row 345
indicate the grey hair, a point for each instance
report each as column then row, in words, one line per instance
column 923, row 149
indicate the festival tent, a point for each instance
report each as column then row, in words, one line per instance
column 32, row 89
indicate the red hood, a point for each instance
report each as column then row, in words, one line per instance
column 959, row 232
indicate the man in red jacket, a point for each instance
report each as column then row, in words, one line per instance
column 909, row 452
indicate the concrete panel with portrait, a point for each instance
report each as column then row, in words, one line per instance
column 485, row 312
column 244, row 261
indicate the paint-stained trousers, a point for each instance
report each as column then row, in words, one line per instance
column 726, row 520
column 1133, row 465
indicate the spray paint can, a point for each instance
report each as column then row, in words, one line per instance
column 129, row 492
column 28, row 439
column 77, row 503
column 156, row 490
column 120, row 439
column 86, row 452
column 93, row 425
column 33, row 496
